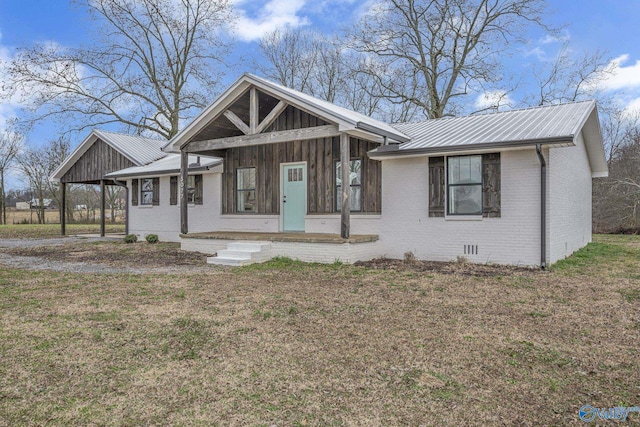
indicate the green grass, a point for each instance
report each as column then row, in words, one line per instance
column 18, row 231
column 603, row 252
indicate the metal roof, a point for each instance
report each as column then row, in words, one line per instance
column 561, row 122
column 168, row 164
column 139, row 150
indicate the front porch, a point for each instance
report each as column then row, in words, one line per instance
column 259, row 247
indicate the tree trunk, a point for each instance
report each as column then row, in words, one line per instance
column 3, row 200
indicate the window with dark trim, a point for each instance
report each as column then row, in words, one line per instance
column 191, row 189
column 146, row 191
column 355, row 178
column 194, row 190
column 464, row 185
column 246, row 190
column 456, row 192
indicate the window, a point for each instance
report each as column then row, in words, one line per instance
column 146, row 191
column 246, row 190
column 191, row 189
column 194, row 190
column 464, row 185
column 355, row 178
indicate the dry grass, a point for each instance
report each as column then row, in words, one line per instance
column 43, row 231
column 287, row 343
column 52, row 216
column 118, row 254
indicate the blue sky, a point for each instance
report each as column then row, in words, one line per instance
column 609, row 25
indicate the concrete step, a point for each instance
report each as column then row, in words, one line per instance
column 229, row 253
column 234, row 262
column 242, row 253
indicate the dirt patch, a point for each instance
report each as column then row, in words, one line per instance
column 459, row 268
column 117, row 254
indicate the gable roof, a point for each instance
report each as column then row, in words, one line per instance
column 555, row 125
column 139, row 150
column 347, row 120
column 166, row 165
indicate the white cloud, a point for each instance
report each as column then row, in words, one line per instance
column 7, row 107
column 622, row 77
column 633, row 108
column 493, row 99
column 269, row 16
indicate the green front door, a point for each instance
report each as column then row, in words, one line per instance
column 294, row 196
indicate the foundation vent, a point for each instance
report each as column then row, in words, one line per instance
column 471, row 249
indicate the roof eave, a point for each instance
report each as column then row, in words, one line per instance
column 392, row 151
column 203, row 168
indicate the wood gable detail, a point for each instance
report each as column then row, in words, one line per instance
column 99, row 160
column 251, row 120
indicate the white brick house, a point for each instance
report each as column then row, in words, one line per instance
column 265, row 163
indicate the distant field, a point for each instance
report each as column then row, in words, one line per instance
column 287, row 343
column 19, row 231
column 53, row 217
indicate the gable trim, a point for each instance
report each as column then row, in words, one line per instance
column 291, row 97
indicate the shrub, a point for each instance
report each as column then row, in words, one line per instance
column 152, row 238
column 130, row 238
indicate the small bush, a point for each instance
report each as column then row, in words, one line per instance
column 409, row 257
column 152, row 238
column 130, row 238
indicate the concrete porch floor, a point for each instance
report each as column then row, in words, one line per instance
column 282, row 237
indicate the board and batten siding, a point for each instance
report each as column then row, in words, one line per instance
column 99, row 160
column 320, row 156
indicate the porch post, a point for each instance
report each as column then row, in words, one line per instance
column 102, row 207
column 184, row 178
column 345, row 214
column 63, row 208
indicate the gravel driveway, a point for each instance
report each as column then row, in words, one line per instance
column 38, row 263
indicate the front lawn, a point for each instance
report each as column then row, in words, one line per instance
column 288, row 343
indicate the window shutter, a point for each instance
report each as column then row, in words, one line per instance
column 134, row 192
column 173, row 190
column 436, row 186
column 156, row 192
column 491, row 185
column 199, row 193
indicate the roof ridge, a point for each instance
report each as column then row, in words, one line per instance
column 127, row 135
column 494, row 113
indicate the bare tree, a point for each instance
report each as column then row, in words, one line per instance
column 617, row 198
column 33, row 168
column 429, row 53
column 37, row 165
column 570, row 77
column 290, row 57
column 156, row 63
column 113, row 199
column 10, row 146
column 54, row 153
